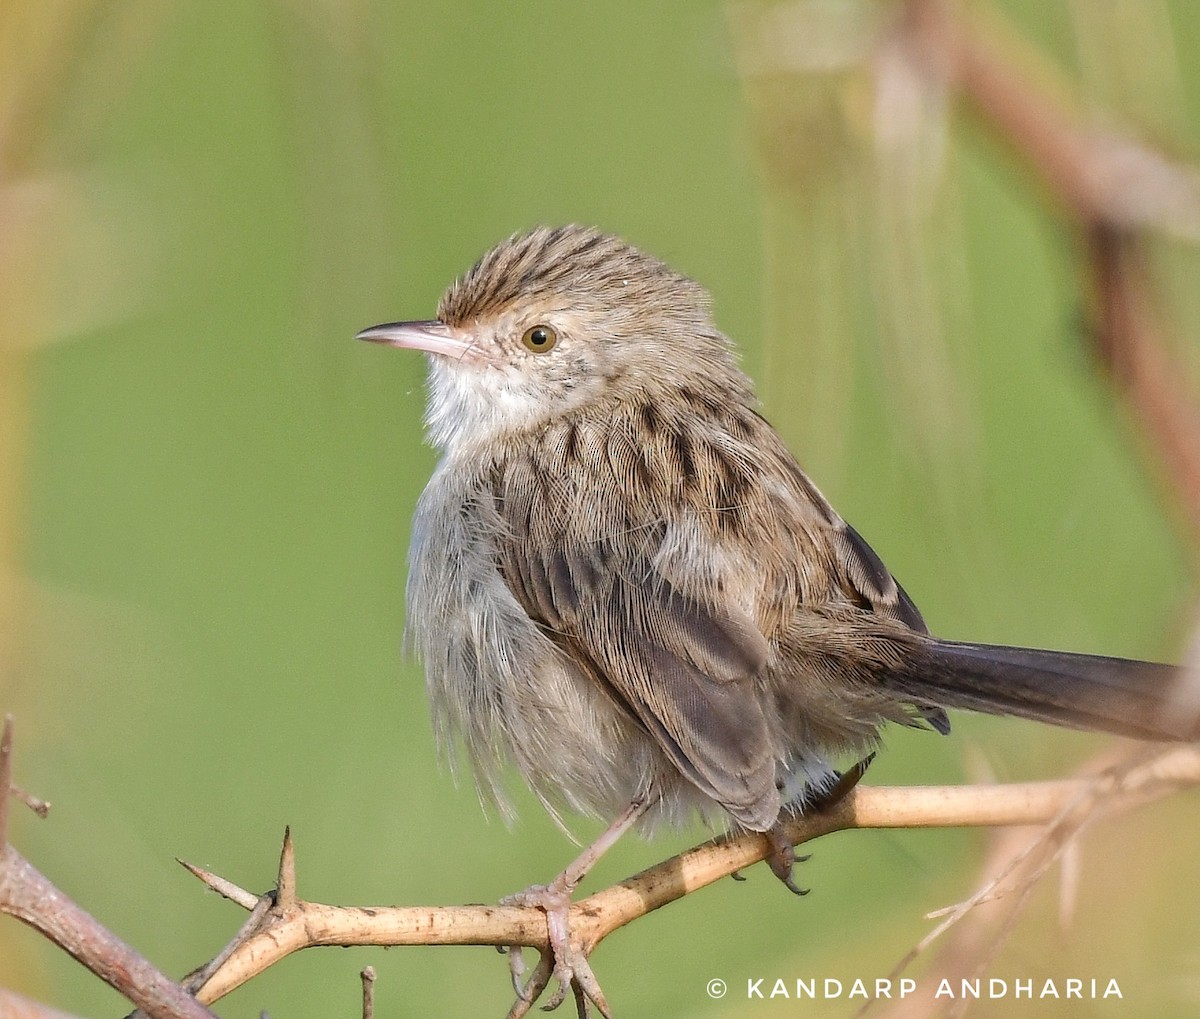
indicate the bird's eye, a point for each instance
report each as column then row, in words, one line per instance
column 539, row 339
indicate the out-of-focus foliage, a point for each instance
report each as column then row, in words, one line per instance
column 209, row 484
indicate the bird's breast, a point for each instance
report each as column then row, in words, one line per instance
column 496, row 682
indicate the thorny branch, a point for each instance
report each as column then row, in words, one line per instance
column 28, row 895
column 1119, row 194
column 1066, row 804
column 282, row 923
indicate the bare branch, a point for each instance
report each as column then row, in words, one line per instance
column 28, row 895
column 199, row 977
column 1069, row 802
column 1015, row 863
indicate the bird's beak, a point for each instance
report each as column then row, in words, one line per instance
column 433, row 337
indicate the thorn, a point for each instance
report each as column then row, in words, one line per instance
column 243, row 898
column 285, row 886
column 368, row 982
column 35, row 803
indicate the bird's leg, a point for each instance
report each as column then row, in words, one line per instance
column 846, row 781
column 783, row 853
column 570, row 965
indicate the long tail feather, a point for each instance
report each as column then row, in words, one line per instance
column 1117, row 695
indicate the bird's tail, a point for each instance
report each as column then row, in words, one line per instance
column 1143, row 700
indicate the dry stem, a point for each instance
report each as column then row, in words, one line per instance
column 1069, row 802
column 31, row 897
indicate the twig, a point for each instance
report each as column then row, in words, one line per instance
column 28, row 895
column 307, row 924
column 368, row 989
column 35, row 803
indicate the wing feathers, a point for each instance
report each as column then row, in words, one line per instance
column 615, row 540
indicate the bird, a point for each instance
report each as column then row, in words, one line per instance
column 624, row 587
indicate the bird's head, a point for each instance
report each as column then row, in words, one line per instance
column 555, row 321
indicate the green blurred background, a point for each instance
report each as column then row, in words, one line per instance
column 209, row 484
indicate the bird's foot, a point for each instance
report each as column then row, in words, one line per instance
column 783, row 857
column 564, row 958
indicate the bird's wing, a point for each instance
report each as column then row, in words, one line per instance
column 858, row 578
column 863, row 579
column 682, row 667
column 590, row 546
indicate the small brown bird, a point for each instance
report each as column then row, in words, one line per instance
column 622, row 582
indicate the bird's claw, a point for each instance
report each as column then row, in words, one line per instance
column 516, row 967
column 782, row 857
column 563, row 960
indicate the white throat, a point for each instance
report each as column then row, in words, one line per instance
column 472, row 404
